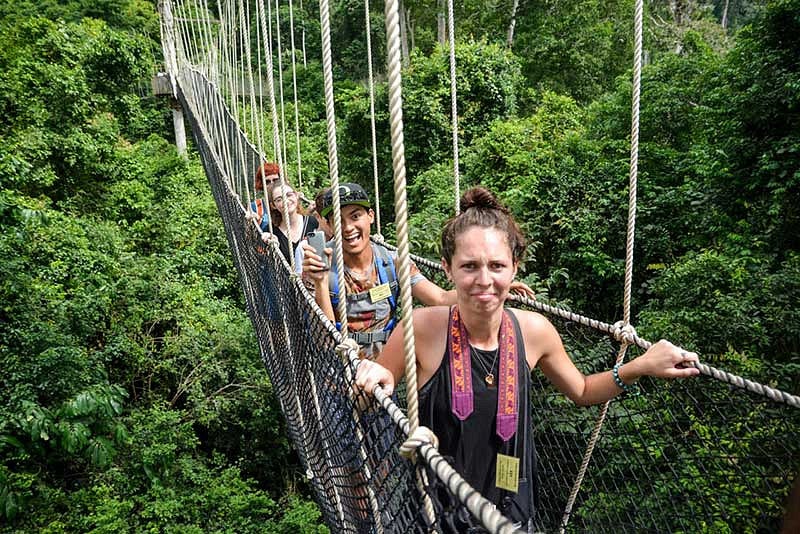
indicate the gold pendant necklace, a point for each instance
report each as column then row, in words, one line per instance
column 489, row 378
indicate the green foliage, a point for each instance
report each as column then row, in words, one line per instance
column 62, row 99
column 128, row 363
column 744, row 296
column 575, row 48
column 488, row 82
column 132, row 397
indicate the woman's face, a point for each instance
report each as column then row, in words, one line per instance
column 481, row 268
column 284, row 194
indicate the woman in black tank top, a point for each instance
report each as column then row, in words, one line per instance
column 474, row 362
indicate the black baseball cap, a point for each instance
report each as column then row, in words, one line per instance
column 349, row 194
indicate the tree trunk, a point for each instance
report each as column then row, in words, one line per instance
column 725, row 15
column 412, row 44
column 403, row 34
column 510, row 38
column 441, row 28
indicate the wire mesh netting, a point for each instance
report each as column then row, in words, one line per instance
column 689, row 456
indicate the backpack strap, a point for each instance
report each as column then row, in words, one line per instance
column 263, row 214
column 387, row 274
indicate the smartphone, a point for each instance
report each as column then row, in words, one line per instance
column 317, row 241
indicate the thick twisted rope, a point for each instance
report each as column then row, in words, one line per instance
column 451, row 30
column 234, row 84
column 400, row 205
column 333, row 158
column 250, row 84
column 631, row 232
column 372, row 118
column 275, row 129
column 294, row 95
column 280, row 79
column 261, row 37
column 401, row 223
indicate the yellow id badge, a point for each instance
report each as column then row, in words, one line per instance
column 507, row 473
column 379, row 293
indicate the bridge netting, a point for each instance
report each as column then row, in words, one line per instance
column 690, row 456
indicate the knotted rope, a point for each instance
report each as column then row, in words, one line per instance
column 625, row 327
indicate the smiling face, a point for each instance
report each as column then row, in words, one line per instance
column 481, row 269
column 280, row 195
column 356, row 222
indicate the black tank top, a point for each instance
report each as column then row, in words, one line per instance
column 472, row 445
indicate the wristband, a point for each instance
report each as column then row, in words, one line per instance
column 618, row 381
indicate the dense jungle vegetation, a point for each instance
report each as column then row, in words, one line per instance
column 132, row 396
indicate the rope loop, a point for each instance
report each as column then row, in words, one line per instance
column 378, row 238
column 346, row 348
column 422, row 435
column 624, row 333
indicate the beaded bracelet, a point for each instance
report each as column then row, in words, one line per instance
column 618, row 381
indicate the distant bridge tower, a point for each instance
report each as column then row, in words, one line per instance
column 165, row 83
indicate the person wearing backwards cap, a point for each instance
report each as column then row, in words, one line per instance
column 370, row 275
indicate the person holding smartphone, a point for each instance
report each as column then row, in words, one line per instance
column 283, row 198
column 370, row 274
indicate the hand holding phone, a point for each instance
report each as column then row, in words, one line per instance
column 316, row 240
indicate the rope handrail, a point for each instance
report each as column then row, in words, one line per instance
column 619, row 334
column 291, row 342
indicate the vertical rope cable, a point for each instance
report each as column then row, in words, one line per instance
column 254, row 122
column 275, row 139
column 372, row 119
column 244, row 39
column 303, row 28
column 271, row 91
column 401, row 222
column 282, row 174
column 634, row 167
column 400, row 204
column 294, row 94
column 262, row 155
column 257, row 105
column 240, row 116
column 280, row 82
column 451, row 30
column 228, row 78
column 333, row 158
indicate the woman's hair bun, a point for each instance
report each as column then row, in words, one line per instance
column 481, row 198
